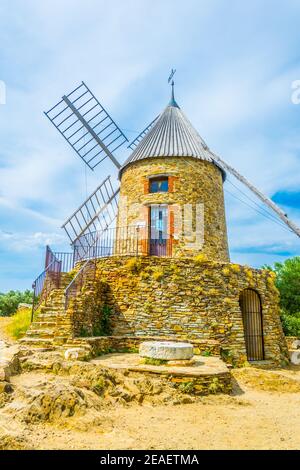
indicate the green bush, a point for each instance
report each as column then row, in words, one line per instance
column 103, row 327
column 9, row 302
column 288, row 283
column 291, row 323
column 154, row 362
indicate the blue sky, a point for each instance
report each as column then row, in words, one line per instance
column 235, row 62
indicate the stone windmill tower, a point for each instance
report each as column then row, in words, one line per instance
column 171, row 185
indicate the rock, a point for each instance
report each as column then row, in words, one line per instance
column 295, row 344
column 13, row 441
column 295, row 357
column 166, row 350
column 74, row 354
column 54, row 402
column 4, row 373
column 9, row 362
column 23, row 305
column 5, row 387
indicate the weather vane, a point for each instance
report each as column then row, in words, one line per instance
column 173, row 71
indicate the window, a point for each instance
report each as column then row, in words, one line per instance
column 159, row 185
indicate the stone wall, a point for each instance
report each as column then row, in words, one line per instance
column 184, row 299
column 104, row 344
column 191, row 181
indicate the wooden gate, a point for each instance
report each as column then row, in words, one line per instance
column 250, row 305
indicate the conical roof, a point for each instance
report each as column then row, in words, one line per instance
column 172, row 136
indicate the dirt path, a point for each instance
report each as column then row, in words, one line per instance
column 3, row 335
column 258, row 421
column 250, row 420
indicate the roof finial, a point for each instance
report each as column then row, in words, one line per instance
column 170, row 79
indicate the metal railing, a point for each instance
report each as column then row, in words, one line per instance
column 129, row 241
column 126, row 241
column 55, row 264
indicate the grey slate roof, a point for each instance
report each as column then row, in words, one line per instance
column 172, row 136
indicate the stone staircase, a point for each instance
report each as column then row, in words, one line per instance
column 51, row 326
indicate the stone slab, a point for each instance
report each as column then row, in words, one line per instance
column 166, row 350
column 203, row 366
column 295, row 357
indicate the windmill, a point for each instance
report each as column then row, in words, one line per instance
column 92, row 133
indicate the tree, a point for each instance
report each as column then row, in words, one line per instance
column 288, row 284
column 9, row 302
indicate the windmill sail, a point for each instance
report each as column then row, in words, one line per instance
column 95, row 214
column 87, row 126
column 258, row 193
column 142, row 134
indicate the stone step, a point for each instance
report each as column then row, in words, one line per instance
column 42, row 324
column 40, row 333
column 50, row 309
column 36, row 342
column 47, row 315
column 49, row 320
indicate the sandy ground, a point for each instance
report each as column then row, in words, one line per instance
column 262, row 413
column 250, row 419
column 259, row 421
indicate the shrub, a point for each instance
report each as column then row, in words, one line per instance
column 206, row 353
column 19, row 323
column 287, row 280
column 226, row 271
column 134, row 265
column 103, row 327
column 235, row 268
column 9, row 302
column 154, row 362
column 187, row 387
column 215, row 386
column 291, row 323
column 84, row 332
column 99, row 386
column 157, row 274
column 201, row 258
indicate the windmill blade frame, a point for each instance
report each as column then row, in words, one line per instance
column 142, row 134
column 267, row 201
column 87, row 127
column 96, row 213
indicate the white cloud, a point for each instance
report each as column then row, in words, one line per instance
column 22, row 242
column 234, row 73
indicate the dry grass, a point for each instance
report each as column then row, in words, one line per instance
column 18, row 324
column 280, row 381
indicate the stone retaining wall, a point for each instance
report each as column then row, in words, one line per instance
column 181, row 298
column 104, row 344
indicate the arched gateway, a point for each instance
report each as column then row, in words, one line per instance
column 250, row 305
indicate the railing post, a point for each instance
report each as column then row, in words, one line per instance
column 33, row 301
column 48, row 251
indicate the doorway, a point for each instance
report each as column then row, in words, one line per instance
column 158, row 230
column 250, row 305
